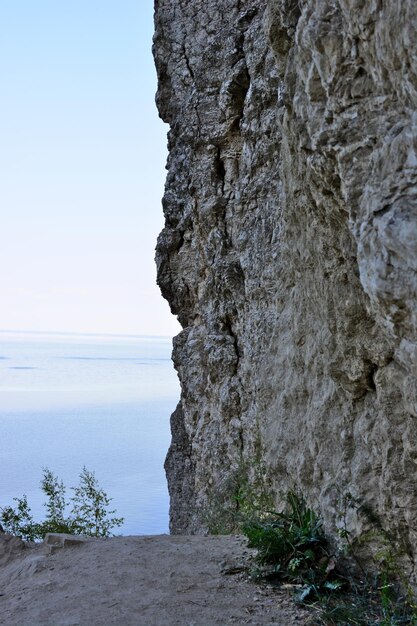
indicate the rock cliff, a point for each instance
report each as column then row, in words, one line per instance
column 289, row 252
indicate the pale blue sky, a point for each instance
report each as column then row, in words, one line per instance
column 82, row 156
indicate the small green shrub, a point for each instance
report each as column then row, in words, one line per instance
column 292, row 547
column 90, row 508
column 292, row 543
column 89, row 514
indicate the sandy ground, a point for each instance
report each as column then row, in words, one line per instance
column 156, row 580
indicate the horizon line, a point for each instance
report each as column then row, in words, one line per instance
column 89, row 334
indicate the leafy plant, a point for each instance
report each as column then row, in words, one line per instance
column 292, row 543
column 19, row 521
column 89, row 510
column 89, row 514
column 292, row 548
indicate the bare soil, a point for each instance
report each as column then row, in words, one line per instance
column 134, row 581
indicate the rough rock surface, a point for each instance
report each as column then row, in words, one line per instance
column 289, row 251
column 9, row 547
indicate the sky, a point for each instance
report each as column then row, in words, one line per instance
column 82, row 168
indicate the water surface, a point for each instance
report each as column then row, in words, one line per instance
column 103, row 402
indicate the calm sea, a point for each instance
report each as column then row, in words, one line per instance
column 103, row 402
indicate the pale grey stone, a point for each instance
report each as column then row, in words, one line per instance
column 63, row 540
column 289, row 251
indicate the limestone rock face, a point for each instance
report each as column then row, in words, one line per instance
column 289, row 251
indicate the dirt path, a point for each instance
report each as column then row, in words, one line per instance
column 134, row 581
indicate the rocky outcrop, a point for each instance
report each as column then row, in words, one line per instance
column 10, row 546
column 289, row 251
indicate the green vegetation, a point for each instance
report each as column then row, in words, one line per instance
column 384, row 581
column 88, row 515
column 293, row 548
column 359, row 582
